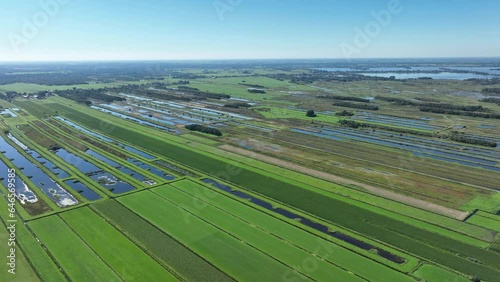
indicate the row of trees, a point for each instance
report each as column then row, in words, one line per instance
column 318, row 75
column 491, row 90
column 451, row 107
column 344, row 113
column 256, row 90
column 491, row 100
column 204, row 129
column 237, row 105
column 461, row 113
column 356, row 106
column 253, row 85
column 343, row 98
column 454, row 136
column 85, row 96
column 355, row 124
column 471, row 140
column 397, row 101
column 45, row 79
column 431, row 105
column 448, row 109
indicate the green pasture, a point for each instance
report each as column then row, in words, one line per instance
column 250, row 233
column 158, row 244
column 343, row 258
column 421, row 242
column 71, row 253
column 211, row 243
column 428, row 272
column 114, row 248
column 486, row 220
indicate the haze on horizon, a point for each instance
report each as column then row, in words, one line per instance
column 73, row 30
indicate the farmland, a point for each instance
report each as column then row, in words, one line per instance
column 396, row 194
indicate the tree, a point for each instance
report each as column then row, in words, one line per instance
column 311, row 113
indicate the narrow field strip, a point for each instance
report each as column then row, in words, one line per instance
column 336, row 179
column 315, row 246
column 496, row 245
column 235, row 257
column 76, row 258
column 40, row 261
column 158, row 244
column 429, row 272
column 128, row 260
column 484, row 220
column 284, row 213
column 419, row 217
column 279, row 249
column 21, row 270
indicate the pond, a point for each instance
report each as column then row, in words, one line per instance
column 111, row 183
column 82, row 165
column 131, row 118
column 82, row 189
column 37, row 176
column 84, row 130
column 35, row 155
column 151, row 169
column 22, row 191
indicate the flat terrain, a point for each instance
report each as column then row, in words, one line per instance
column 392, row 180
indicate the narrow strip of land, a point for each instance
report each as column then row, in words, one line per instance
column 457, row 214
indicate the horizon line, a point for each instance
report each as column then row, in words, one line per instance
column 240, row 59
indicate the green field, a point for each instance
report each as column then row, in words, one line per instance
column 495, row 246
column 209, row 242
column 76, row 258
column 486, row 220
column 184, row 261
column 432, row 273
column 274, row 88
column 23, row 271
column 250, row 233
column 31, row 88
column 205, row 200
column 283, row 205
column 422, row 242
column 114, row 248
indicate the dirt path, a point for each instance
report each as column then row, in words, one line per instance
column 460, row 215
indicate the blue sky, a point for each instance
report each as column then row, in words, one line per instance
column 246, row 29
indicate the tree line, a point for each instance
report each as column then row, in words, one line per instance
column 253, row 85
column 85, row 96
column 203, row 129
column 343, row 98
column 356, row 106
column 461, row 113
column 256, row 90
column 472, row 140
column 203, row 94
column 344, row 113
column 430, row 105
column 453, row 136
column 491, row 100
column 237, row 105
column 491, row 90
column 355, row 125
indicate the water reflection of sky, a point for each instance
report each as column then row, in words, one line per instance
column 39, row 178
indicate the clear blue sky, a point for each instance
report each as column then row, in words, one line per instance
column 195, row 29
